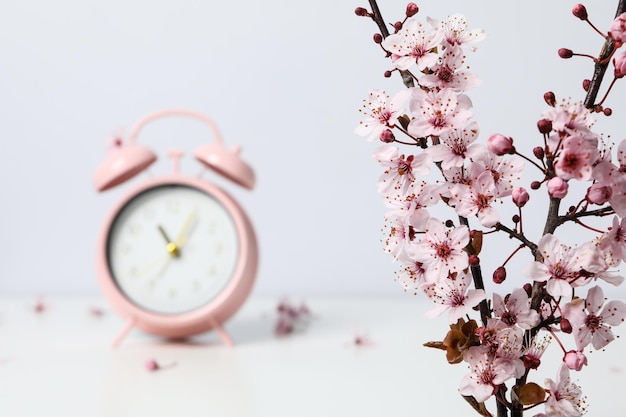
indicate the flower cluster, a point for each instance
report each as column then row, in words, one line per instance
column 428, row 131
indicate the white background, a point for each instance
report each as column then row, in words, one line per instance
column 282, row 78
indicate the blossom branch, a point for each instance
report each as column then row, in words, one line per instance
column 602, row 63
column 407, row 77
column 604, row 211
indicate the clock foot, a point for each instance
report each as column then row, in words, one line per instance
column 130, row 323
column 226, row 339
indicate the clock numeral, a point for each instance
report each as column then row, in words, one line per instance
column 172, row 293
column 196, row 286
column 212, row 270
column 134, row 229
column 173, row 206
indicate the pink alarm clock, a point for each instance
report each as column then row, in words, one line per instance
column 176, row 255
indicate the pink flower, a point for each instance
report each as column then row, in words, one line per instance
column 452, row 294
column 516, row 310
column 477, row 199
column 562, row 266
column 569, row 118
column 499, row 144
column 520, row 197
column 455, row 33
column 594, row 326
column 617, row 31
column 400, row 170
column 576, row 159
column 565, row 398
column 446, row 73
column 615, row 239
column 412, row 45
column 438, row 112
column 505, row 171
column 557, row 188
column 599, row 193
column 380, row 114
column 412, row 275
column 485, row 374
column 456, row 147
column 441, row 250
column 575, row 360
column 619, row 62
column 397, row 233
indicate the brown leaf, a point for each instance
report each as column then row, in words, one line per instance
column 479, row 407
column 531, row 393
column 436, row 345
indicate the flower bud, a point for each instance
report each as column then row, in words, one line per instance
column 566, row 326
column 550, row 98
column 607, row 111
column 535, row 185
column 617, row 31
column 360, row 11
column 499, row 275
column 528, row 287
column 520, row 196
column 619, row 62
column 387, row 74
column 599, row 194
column 397, row 26
column 378, row 38
column 544, row 126
column 500, row 145
column 539, row 152
column 387, row 136
column 515, row 218
column 580, row 12
column 575, row 360
column 557, row 188
column 411, row 9
column 566, row 53
column 586, row 84
column 474, row 260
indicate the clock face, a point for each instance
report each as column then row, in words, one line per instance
column 172, row 249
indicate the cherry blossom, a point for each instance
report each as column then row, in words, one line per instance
column 441, row 250
column 617, row 31
column 561, row 266
column 411, row 275
column 485, row 374
column 565, row 398
column 455, row 33
column 447, row 73
column 515, row 310
column 438, row 112
column 615, row 239
column 400, row 170
column 594, row 326
column 457, row 147
column 576, row 159
column 380, row 113
column 452, row 294
column 477, row 199
column 413, row 45
column 569, row 118
column 506, row 171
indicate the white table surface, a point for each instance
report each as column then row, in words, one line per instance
column 60, row 363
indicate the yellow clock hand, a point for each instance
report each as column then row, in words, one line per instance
column 172, row 248
column 183, row 235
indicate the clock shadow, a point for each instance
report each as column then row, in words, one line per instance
column 242, row 331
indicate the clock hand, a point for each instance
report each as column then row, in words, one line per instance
column 153, row 263
column 184, row 232
column 172, row 248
